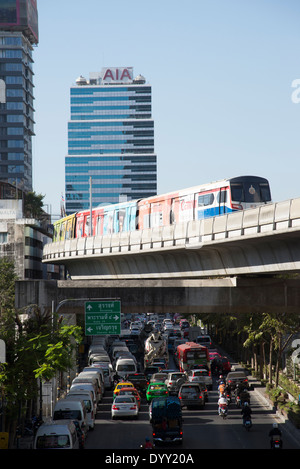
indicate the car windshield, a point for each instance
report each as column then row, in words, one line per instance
column 176, row 376
column 67, row 414
column 129, row 367
column 124, row 400
column 53, row 441
column 157, row 386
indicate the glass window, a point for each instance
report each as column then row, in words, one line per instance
column 205, row 199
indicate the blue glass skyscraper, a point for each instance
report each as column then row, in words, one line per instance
column 110, row 140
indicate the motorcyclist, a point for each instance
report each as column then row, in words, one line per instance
column 221, row 388
column 275, row 432
column 246, row 412
column 222, row 402
column 242, row 393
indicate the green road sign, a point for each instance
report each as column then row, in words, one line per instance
column 102, row 317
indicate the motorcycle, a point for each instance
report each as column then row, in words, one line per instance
column 247, row 423
column 223, row 410
column 276, row 442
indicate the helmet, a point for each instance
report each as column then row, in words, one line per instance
column 245, row 404
column 221, row 376
column 275, row 425
column 147, row 438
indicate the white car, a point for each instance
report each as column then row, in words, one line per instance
column 124, row 406
column 201, row 375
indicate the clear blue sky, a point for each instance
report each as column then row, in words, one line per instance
column 221, row 73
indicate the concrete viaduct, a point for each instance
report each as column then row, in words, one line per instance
column 246, row 261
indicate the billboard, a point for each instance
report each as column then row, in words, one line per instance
column 117, row 75
column 20, row 15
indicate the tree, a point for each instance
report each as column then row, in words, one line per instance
column 34, row 205
column 33, row 350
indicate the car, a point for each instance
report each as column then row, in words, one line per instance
column 204, row 340
column 124, row 406
column 202, row 375
column 237, row 377
column 160, row 362
column 156, row 390
column 150, row 370
column 131, row 392
column 119, row 386
column 214, row 355
column 191, row 395
column 226, row 365
column 174, row 381
column 139, row 380
column 158, row 377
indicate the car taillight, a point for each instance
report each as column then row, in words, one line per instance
column 115, row 407
column 133, row 407
column 200, row 397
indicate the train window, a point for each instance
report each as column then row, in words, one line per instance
column 265, row 192
column 205, row 199
column 250, row 192
column 237, row 192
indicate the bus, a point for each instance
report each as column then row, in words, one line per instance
column 191, row 355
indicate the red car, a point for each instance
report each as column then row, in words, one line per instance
column 226, row 364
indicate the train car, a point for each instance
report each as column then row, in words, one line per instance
column 107, row 219
column 83, row 223
column 120, row 217
column 207, row 200
column 65, row 228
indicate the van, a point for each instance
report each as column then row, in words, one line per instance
column 117, row 349
column 71, row 410
column 60, row 434
column 99, row 371
column 85, row 387
column 89, row 380
column 96, row 349
column 87, row 398
column 124, row 366
column 108, row 373
column 99, row 379
column 98, row 357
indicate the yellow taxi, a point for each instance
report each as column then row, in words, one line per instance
column 121, row 385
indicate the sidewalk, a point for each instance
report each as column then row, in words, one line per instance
column 260, row 391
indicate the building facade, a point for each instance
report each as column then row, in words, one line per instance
column 18, row 35
column 111, row 154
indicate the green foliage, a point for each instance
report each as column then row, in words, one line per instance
column 33, row 349
column 34, row 205
column 53, row 352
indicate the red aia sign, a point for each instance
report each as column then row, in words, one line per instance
column 117, row 74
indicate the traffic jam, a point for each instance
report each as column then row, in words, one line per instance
column 163, row 361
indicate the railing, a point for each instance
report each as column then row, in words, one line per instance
column 261, row 221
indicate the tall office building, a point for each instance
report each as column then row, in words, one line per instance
column 110, row 140
column 18, row 35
